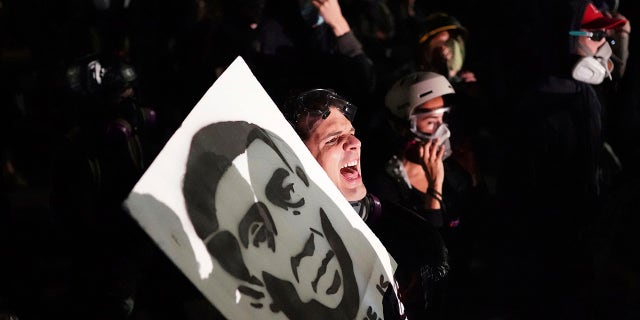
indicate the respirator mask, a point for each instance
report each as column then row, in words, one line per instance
column 593, row 69
column 456, row 45
column 442, row 133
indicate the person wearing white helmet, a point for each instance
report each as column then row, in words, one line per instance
column 413, row 178
column 419, row 97
column 416, row 105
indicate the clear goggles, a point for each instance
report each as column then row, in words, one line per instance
column 421, row 114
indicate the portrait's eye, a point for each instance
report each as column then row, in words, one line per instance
column 257, row 227
column 280, row 190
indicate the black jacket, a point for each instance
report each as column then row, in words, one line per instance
column 551, row 180
column 421, row 254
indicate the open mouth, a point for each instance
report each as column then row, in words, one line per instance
column 350, row 170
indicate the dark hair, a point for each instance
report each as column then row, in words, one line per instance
column 303, row 110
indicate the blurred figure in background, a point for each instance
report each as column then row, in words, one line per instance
column 105, row 150
column 619, row 36
column 305, row 44
column 553, row 172
column 615, row 96
column 442, row 47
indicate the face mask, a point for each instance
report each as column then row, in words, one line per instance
column 604, row 57
column 442, row 134
column 457, row 48
column 593, row 69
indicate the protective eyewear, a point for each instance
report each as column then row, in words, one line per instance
column 316, row 103
column 421, row 113
column 595, row 35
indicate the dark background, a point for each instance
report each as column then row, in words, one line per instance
column 40, row 38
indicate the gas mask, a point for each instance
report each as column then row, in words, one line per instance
column 593, row 69
column 442, row 134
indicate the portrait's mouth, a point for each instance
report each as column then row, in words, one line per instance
column 349, row 171
column 308, row 251
column 322, row 270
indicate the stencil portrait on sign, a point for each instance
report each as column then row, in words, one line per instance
column 249, row 211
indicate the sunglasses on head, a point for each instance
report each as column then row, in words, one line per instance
column 317, row 102
column 595, row 35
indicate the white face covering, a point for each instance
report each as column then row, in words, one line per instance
column 442, row 133
column 593, row 69
column 603, row 55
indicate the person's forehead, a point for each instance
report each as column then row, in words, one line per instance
column 334, row 123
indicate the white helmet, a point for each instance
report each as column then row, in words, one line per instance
column 413, row 90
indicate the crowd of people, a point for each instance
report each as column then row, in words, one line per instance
column 495, row 145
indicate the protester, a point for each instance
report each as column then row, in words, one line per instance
column 303, row 44
column 323, row 120
column 616, row 96
column 450, row 191
column 552, row 175
column 102, row 154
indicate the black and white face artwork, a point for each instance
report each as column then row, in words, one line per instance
column 268, row 223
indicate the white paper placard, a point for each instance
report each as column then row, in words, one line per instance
column 239, row 204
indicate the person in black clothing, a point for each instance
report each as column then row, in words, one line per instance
column 416, row 109
column 552, row 187
column 101, row 155
column 449, row 190
column 323, row 120
column 303, row 44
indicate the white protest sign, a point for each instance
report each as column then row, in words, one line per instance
column 238, row 203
